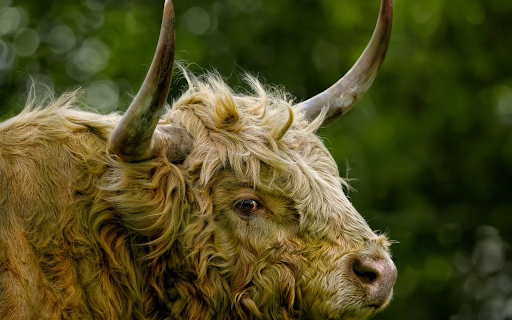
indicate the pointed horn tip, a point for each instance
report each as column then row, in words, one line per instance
column 168, row 11
column 167, row 3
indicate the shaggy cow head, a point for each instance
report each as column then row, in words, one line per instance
column 265, row 229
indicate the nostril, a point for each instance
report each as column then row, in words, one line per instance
column 375, row 276
column 365, row 273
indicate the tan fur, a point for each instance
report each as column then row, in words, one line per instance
column 84, row 235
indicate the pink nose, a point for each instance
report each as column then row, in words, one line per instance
column 376, row 276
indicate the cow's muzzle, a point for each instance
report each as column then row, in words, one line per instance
column 376, row 277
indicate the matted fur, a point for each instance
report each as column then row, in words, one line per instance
column 84, row 235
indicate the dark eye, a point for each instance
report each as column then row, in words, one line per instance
column 246, row 206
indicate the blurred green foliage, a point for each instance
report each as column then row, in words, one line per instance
column 430, row 145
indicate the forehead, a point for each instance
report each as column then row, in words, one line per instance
column 298, row 160
column 240, row 133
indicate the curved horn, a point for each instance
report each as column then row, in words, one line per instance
column 346, row 92
column 133, row 139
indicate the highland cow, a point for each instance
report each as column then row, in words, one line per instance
column 222, row 206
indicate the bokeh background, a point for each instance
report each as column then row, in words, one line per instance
column 429, row 147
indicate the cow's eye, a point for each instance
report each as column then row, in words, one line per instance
column 246, row 206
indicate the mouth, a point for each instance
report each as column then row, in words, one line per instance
column 375, row 308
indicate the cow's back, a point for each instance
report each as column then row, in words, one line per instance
column 49, row 158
